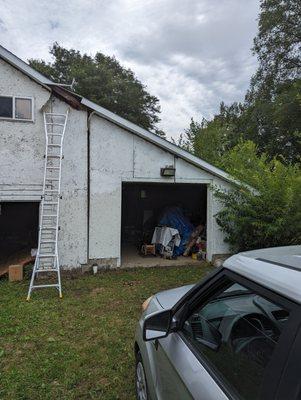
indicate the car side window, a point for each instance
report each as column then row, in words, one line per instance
column 236, row 332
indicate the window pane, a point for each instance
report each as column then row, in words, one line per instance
column 23, row 109
column 237, row 332
column 6, row 107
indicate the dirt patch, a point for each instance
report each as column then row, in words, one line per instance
column 79, row 292
column 96, row 291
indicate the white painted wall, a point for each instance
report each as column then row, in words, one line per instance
column 21, row 143
column 119, row 156
column 22, row 147
column 218, row 244
column 73, row 245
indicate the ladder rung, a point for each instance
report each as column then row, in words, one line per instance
column 52, row 156
column 47, row 269
column 54, row 134
column 47, row 241
column 56, row 168
column 54, row 145
column 56, row 115
column 51, row 191
column 49, row 215
column 42, row 286
column 43, row 226
column 50, row 203
column 52, row 179
column 55, row 123
column 47, row 255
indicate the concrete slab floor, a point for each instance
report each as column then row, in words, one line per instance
column 130, row 258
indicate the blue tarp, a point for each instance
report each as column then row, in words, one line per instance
column 175, row 218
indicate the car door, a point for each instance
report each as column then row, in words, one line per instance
column 180, row 374
column 232, row 343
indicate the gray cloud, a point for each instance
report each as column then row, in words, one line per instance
column 54, row 24
column 192, row 54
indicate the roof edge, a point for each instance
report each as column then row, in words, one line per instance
column 21, row 65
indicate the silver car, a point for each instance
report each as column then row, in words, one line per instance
column 234, row 335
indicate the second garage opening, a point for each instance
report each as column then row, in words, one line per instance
column 19, row 226
column 150, row 209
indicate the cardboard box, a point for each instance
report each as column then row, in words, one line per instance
column 15, row 273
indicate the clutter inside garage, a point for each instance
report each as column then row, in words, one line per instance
column 164, row 220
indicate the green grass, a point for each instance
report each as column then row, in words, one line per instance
column 80, row 347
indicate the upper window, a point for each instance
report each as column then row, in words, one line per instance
column 17, row 108
column 237, row 332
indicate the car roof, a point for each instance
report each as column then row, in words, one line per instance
column 277, row 268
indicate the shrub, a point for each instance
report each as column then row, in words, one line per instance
column 268, row 212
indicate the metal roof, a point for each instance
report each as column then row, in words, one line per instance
column 278, row 269
column 116, row 119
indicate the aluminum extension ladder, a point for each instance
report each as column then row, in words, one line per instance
column 47, row 259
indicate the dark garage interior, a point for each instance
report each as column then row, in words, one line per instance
column 19, row 222
column 144, row 204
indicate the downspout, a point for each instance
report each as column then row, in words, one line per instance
column 88, row 182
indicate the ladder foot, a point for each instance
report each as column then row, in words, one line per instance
column 28, row 298
column 61, row 296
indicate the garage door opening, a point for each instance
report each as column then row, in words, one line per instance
column 147, row 207
column 19, row 225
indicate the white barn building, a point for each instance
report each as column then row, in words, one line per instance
column 111, row 172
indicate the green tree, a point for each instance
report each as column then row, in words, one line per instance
column 274, row 124
column 105, row 81
column 209, row 140
column 271, row 113
column 266, row 214
column 272, row 117
column 277, row 45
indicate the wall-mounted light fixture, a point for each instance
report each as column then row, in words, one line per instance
column 169, row 170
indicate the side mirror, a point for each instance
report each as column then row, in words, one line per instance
column 157, row 325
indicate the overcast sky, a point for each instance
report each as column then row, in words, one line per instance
column 191, row 54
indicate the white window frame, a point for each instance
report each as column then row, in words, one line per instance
column 13, row 118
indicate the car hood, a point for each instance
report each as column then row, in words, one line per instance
column 169, row 298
